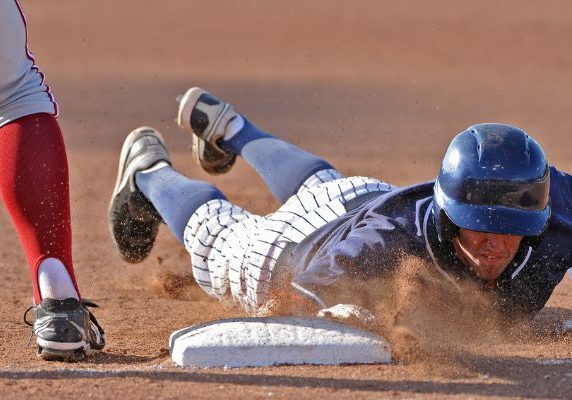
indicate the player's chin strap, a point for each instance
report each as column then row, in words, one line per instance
column 522, row 264
column 428, row 246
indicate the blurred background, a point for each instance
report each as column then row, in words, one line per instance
column 377, row 87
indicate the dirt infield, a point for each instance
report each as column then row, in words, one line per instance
column 377, row 87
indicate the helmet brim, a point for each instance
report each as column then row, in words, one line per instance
column 498, row 219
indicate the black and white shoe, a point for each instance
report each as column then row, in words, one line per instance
column 207, row 117
column 65, row 329
column 133, row 221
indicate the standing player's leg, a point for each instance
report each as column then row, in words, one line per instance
column 220, row 134
column 34, row 187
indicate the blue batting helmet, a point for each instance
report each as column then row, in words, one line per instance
column 494, row 178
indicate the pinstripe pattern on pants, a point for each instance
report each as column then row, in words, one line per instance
column 234, row 252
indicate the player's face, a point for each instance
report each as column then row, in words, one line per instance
column 486, row 254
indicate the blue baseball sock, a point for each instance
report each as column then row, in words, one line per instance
column 282, row 166
column 175, row 196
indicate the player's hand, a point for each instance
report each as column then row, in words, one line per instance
column 349, row 314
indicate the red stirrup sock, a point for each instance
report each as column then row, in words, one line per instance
column 34, row 186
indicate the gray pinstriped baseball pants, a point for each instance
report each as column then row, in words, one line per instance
column 234, row 252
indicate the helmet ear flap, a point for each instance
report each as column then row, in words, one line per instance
column 448, row 230
column 532, row 241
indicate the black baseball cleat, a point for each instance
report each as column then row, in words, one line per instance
column 207, row 117
column 65, row 329
column 133, row 221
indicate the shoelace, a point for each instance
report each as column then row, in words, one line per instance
column 28, row 323
column 88, row 303
column 26, row 316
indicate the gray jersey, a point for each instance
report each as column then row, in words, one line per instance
column 22, row 88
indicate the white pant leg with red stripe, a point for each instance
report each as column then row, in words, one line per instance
column 22, row 88
column 234, row 252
